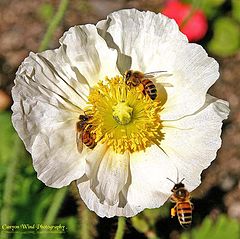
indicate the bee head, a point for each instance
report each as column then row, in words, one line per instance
column 177, row 186
column 128, row 75
column 83, row 117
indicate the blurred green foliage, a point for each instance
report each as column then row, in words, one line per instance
column 226, row 37
column 7, row 138
column 222, row 228
column 236, row 10
column 210, row 7
column 146, row 221
column 46, row 12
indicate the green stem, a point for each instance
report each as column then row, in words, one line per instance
column 85, row 223
column 87, row 219
column 53, row 25
column 9, row 184
column 54, row 209
column 195, row 5
column 120, row 228
column 55, row 206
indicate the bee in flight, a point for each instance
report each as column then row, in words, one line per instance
column 138, row 78
column 84, row 134
column 183, row 206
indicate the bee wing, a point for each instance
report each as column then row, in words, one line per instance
column 79, row 134
column 153, row 74
column 79, row 141
column 157, row 74
column 165, row 84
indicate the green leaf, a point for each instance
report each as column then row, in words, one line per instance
column 7, row 137
column 140, row 224
column 210, row 7
column 223, row 228
column 226, row 37
column 70, row 223
column 236, row 9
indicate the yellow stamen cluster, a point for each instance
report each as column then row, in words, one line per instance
column 123, row 117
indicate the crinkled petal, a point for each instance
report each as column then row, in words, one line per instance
column 43, row 73
column 149, row 186
column 89, row 54
column 49, row 135
column 55, row 157
column 45, row 119
column 191, row 143
column 107, row 178
column 193, row 73
column 134, row 33
column 102, row 210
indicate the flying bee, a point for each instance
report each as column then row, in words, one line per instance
column 138, row 78
column 84, row 134
column 183, row 206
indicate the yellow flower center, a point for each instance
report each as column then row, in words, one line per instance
column 122, row 112
column 123, row 117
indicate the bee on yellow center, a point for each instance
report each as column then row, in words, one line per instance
column 142, row 82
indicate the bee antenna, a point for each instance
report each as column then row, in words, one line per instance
column 171, row 180
column 182, row 180
column 177, row 175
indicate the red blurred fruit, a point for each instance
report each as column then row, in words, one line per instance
column 196, row 24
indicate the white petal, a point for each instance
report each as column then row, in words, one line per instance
column 149, row 185
column 46, row 123
column 47, row 74
column 193, row 73
column 191, row 143
column 105, row 185
column 102, row 210
column 55, row 157
column 89, row 53
column 145, row 187
column 134, row 33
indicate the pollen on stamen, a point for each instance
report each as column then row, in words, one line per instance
column 123, row 117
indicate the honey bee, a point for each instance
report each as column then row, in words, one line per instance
column 84, row 134
column 135, row 78
column 183, row 206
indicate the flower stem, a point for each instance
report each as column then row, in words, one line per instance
column 85, row 223
column 55, row 206
column 120, row 228
column 87, row 219
column 54, row 209
column 195, row 5
column 53, row 25
column 9, row 184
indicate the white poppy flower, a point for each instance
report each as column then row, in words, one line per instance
column 139, row 141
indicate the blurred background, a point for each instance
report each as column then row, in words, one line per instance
column 215, row 24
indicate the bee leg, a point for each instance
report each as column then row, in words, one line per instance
column 140, row 88
column 173, row 212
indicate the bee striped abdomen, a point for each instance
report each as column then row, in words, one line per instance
column 88, row 139
column 149, row 88
column 184, row 213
